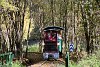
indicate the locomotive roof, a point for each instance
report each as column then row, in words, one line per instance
column 53, row 28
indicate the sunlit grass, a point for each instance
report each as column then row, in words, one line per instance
column 33, row 48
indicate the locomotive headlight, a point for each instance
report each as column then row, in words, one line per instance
column 56, row 55
column 45, row 55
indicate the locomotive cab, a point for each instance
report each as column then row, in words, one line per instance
column 52, row 44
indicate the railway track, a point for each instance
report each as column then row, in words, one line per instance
column 43, row 62
column 51, row 63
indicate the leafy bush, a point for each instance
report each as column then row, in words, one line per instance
column 91, row 61
column 17, row 64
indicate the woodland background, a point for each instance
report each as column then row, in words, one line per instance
column 24, row 20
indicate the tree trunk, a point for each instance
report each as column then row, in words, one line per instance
column 52, row 9
column 65, row 25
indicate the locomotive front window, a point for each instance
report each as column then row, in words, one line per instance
column 50, row 36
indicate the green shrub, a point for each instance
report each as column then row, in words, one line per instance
column 17, row 64
column 91, row 61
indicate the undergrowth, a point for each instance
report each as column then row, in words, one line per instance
column 17, row 64
column 33, row 48
column 91, row 61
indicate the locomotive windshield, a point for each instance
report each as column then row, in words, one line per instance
column 50, row 36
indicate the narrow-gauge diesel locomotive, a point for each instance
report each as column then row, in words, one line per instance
column 52, row 42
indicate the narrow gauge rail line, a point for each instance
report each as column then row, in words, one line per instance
column 56, row 63
column 51, row 63
column 43, row 63
column 48, row 63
